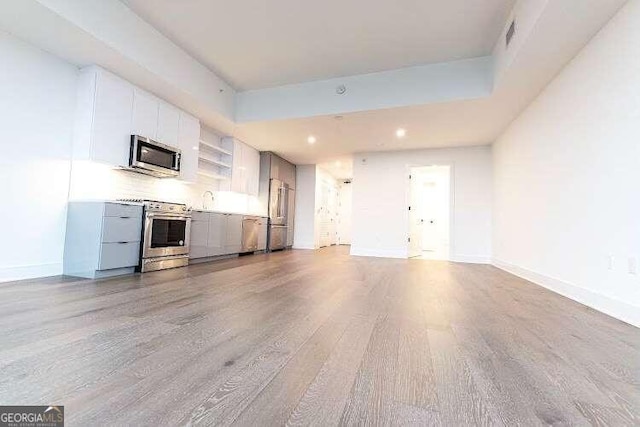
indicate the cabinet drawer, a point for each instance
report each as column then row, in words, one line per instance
column 200, row 216
column 117, row 229
column 121, row 210
column 119, row 255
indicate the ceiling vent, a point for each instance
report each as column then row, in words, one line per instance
column 511, row 32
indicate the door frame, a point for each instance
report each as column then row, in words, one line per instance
column 452, row 202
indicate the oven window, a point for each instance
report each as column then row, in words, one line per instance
column 168, row 233
column 156, row 156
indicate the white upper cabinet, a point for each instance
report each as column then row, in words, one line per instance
column 168, row 124
column 145, row 114
column 237, row 171
column 111, row 109
column 251, row 161
column 188, row 142
column 103, row 121
column 245, row 174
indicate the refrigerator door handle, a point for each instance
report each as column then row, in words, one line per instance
column 283, row 204
column 278, row 203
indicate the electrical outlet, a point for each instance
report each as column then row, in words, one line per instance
column 610, row 262
column 633, row 266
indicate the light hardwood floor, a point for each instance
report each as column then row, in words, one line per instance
column 316, row 338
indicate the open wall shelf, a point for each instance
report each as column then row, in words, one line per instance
column 212, row 146
column 212, row 175
column 215, row 158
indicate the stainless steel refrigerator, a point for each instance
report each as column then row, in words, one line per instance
column 281, row 212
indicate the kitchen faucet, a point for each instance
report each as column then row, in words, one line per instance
column 203, row 200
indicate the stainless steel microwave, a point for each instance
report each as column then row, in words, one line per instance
column 153, row 158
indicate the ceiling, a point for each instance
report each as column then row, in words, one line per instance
column 264, row 43
column 434, row 125
column 558, row 36
column 290, row 41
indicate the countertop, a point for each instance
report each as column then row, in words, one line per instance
column 227, row 212
column 118, row 202
column 193, row 209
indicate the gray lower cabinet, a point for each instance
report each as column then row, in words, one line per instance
column 215, row 234
column 199, row 243
column 217, row 238
column 102, row 239
column 119, row 255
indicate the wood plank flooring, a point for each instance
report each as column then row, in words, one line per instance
column 316, row 338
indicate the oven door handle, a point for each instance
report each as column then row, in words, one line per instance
column 168, row 216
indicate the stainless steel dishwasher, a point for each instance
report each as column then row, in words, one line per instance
column 250, row 230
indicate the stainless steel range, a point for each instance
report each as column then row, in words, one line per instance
column 166, row 230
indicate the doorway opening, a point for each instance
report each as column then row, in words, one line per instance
column 430, row 212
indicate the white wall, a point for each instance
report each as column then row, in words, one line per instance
column 567, row 174
column 37, row 108
column 380, row 201
column 304, row 228
column 345, row 197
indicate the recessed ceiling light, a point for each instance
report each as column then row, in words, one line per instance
column 338, row 164
column 311, row 139
column 401, row 133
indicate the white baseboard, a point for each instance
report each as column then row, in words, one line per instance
column 310, row 247
column 619, row 309
column 402, row 254
column 471, row 259
column 10, row 274
column 378, row 253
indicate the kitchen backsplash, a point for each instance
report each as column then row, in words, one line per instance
column 95, row 181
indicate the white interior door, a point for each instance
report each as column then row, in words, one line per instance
column 431, row 192
column 430, row 216
column 323, row 225
column 415, row 218
column 333, row 215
